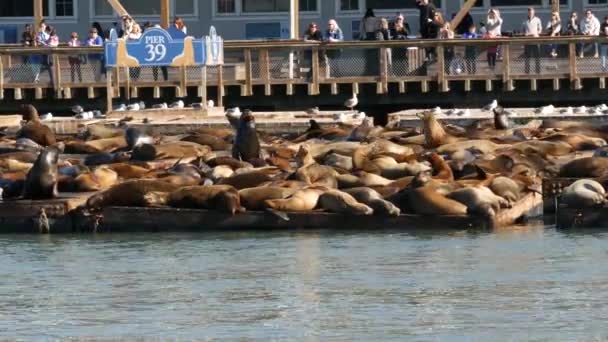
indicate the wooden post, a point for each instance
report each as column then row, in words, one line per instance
column 203, row 92
column 57, row 76
column 164, row 14
column 109, row 90
column 315, row 71
column 220, row 85
column 574, row 80
column 294, row 18
column 264, row 60
column 38, row 13
column 1, row 79
column 506, row 68
column 463, row 11
column 248, row 74
column 117, row 6
column 441, row 80
column 128, row 85
column 383, row 71
column 183, row 82
column 555, row 6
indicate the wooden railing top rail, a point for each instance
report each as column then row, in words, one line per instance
column 299, row 44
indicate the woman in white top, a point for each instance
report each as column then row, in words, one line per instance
column 554, row 29
column 494, row 23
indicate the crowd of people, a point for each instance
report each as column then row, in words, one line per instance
column 432, row 25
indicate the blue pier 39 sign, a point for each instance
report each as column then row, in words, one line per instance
column 158, row 47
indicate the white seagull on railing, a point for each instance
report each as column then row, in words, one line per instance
column 352, row 102
column 490, row 107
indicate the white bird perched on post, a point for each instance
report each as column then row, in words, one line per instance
column 134, row 107
column 210, row 104
column 47, row 116
column 437, row 110
column 160, row 106
column 567, row 111
column 77, row 109
column 580, row 110
column 177, row 104
column 120, row 108
column 313, row 111
column 490, row 107
column 352, row 102
column 546, row 110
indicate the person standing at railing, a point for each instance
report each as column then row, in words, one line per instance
column 383, row 33
column 470, row 51
column 427, row 18
column 433, row 32
column 28, row 40
column 554, row 29
column 37, row 62
column 368, row 25
column 75, row 61
column 312, row 34
column 604, row 48
column 532, row 27
column 493, row 26
column 96, row 59
column 492, row 52
column 446, row 32
column 179, row 24
column 400, row 29
column 590, row 26
column 333, row 34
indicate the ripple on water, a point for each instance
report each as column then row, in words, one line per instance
column 519, row 285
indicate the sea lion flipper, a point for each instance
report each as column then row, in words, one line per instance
column 280, row 214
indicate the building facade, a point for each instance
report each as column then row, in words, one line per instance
column 256, row 19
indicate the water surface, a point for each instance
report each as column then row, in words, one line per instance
column 511, row 285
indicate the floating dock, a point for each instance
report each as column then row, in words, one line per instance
column 64, row 217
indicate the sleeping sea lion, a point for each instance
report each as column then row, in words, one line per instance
column 304, row 200
column 41, row 180
column 223, row 198
column 178, row 150
column 374, row 200
column 128, row 171
column 215, row 143
column 34, row 129
column 590, row 167
column 131, row 193
column 339, row 202
column 246, row 180
column 479, row 201
column 584, row 193
column 255, row 198
column 106, row 158
column 315, row 131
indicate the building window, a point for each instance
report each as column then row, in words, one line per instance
column 185, row 7
column 102, row 8
column 396, row 4
column 308, row 5
column 597, row 2
column 255, row 6
column 64, row 8
column 349, row 5
column 516, row 2
column 21, row 8
column 226, row 6
column 138, row 7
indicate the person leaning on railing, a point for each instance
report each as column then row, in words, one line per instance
column 312, row 34
column 28, row 40
column 333, row 34
column 134, row 35
column 554, row 29
column 470, row 51
column 590, row 26
column 77, row 60
column 96, row 59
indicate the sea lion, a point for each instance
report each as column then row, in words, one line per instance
column 101, row 178
column 304, row 200
column 479, row 201
column 107, row 144
column 246, row 145
column 41, row 180
column 590, row 167
column 255, row 198
column 250, row 179
column 315, row 131
column 128, row 171
column 363, row 154
column 584, row 193
column 544, row 148
column 363, row 131
column 178, row 150
column 106, row 158
column 506, row 188
column 134, row 137
column 222, row 133
column 339, row 161
column 424, row 199
column 34, row 129
column 578, row 142
column 25, row 144
column 228, row 161
column 434, row 134
column 501, row 119
column 223, row 198
column 311, row 172
column 482, row 146
column 214, row 142
column 339, row 202
column 219, row 172
column 131, row 193
column 374, row 200
column 441, row 169
column 101, row 131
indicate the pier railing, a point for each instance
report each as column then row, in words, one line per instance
column 57, row 71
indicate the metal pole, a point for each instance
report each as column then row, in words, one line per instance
column 293, row 30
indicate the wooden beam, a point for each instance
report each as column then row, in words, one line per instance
column 164, row 14
column 117, row 6
column 463, row 11
column 38, row 13
column 294, row 13
column 555, row 6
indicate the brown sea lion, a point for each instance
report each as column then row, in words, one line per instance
column 131, row 193
column 479, row 201
column 102, row 131
column 584, row 193
column 223, row 198
column 13, row 165
column 180, row 179
column 246, row 143
column 374, row 200
column 304, row 200
column 101, row 178
column 221, row 133
column 339, row 202
column 441, row 169
column 310, row 171
column 128, row 171
column 41, row 180
column 229, row 161
column 255, row 198
column 483, row 146
column 220, row 172
column 434, row 134
column 578, row 142
column 364, row 153
column 506, row 188
column 34, row 129
column 214, row 142
column 544, row 148
column 246, row 180
column 178, row 150
column 590, row 167
column 107, row 144
column 283, row 164
column 80, row 147
column 315, row 131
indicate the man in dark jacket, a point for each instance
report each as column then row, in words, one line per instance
column 427, row 12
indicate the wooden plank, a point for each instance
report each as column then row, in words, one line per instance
column 1, row 79
column 264, row 60
column 461, row 14
column 220, row 85
column 203, row 87
column 109, row 90
column 315, row 71
column 384, row 70
column 118, row 8
column 572, row 63
column 248, row 73
column 164, row 14
column 183, row 80
column 441, row 80
column 56, row 75
column 506, row 68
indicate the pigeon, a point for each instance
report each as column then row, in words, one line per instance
column 236, row 112
column 437, row 110
column 567, row 111
column 359, row 116
column 77, row 109
column 134, row 107
column 178, row 104
column 84, row 116
column 160, row 106
column 352, row 102
column 46, row 117
column 120, row 108
column 313, row 111
column 490, row 107
column 210, row 104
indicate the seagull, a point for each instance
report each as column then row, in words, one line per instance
column 197, row 105
column 236, row 112
column 352, row 102
column 437, row 110
column 359, row 116
column 178, row 104
column 97, row 114
column 580, row 110
column 84, row 115
column 210, row 104
column 142, row 105
column 313, row 111
column 47, row 116
column 134, row 107
column 77, row 109
column 595, row 111
column 603, row 107
column 120, row 108
column 453, row 111
column 340, row 117
column 464, row 112
column 160, row 106
column 567, row 111
column 490, row 107
column 546, row 110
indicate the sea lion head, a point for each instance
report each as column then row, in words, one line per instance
column 29, row 113
column 230, row 201
column 303, row 156
column 314, row 125
column 135, row 138
column 421, row 179
column 247, row 120
column 501, row 121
